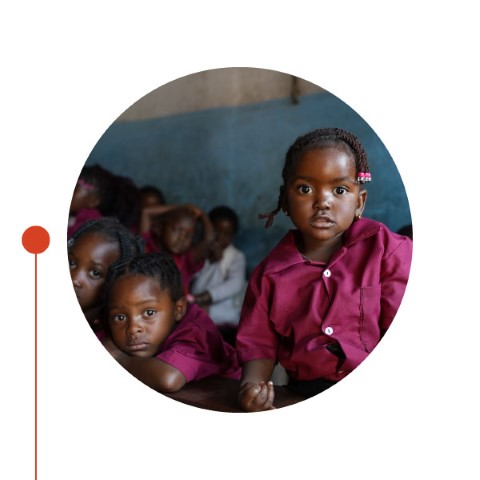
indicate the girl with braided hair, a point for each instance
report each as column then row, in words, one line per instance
column 320, row 302
column 155, row 334
column 93, row 249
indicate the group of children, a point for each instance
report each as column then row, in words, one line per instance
column 164, row 288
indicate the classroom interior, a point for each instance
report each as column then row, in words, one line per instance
column 219, row 137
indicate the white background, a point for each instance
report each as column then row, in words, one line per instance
column 411, row 71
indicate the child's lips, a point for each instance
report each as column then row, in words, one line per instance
column 137, row 346
column 321, row 221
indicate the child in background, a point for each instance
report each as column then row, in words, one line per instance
column 220, row 285
column 92, row 194
column 151, row 196
column 174, row 233
column 100, row 193
column 321, row 301
column 155, row 334
column 95, row 247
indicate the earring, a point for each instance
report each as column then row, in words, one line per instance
column 358, row 216
column 286, row 213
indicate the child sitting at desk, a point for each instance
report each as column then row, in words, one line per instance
column 320, row 302
column 155, row 334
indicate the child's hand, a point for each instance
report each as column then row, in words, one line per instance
column 256, row 397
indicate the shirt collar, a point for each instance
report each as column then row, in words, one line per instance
column 286, row 253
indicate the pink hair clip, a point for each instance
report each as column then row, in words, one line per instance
column 87, row 186
column 364, row 177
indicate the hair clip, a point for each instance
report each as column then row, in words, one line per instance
column 87, row 186
column 364, row 177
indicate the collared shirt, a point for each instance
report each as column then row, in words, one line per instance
column 197, row 349
column 322, row 320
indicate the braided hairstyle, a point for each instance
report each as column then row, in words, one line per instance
column 159, row 266
column 129, row 244
column 317, row 139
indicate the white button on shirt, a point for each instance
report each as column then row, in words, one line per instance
column 329, row 330
column 327, row 273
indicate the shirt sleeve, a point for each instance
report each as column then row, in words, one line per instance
column 395, row 273
column 256, row 337
column 198, row 351
column 234, row 281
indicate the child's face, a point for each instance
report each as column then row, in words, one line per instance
column 84, row 196
column 150, row 199
column 89, row 259
column 177, row 235
column 224, row 232
column 142, row 315
column 322, row 195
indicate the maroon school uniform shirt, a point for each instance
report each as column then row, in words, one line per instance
column 197, row 349
column 321, row 320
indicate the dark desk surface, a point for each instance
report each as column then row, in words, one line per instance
column 220, row 394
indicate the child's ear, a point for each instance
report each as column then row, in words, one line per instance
column 180, row 309
column 362, row 200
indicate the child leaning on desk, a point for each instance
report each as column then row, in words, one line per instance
column 155, row 334
column 321, row 301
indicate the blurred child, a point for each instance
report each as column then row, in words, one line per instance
column 95, row 247
column 151, row 196
column 220, row 285
column 92, row 195
column 100, row 193
column 155, row 334
column 174, row 233
column 321, row 301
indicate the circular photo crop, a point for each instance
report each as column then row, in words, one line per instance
column 239, row 240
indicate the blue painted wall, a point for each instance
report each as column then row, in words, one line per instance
column 234, row 156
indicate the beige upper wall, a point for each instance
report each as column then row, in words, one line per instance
column 225, row 87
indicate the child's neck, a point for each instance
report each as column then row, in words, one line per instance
column 319, row 251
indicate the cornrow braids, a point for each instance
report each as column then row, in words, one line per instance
column 322, row 138
column 159, row 266
column 129, row 244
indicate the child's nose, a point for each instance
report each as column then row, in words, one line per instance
column 76, row 279
column 134, row 327
column 322, row 200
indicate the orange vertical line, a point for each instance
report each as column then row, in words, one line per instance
column 35, row 366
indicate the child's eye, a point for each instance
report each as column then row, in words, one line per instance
column 341, row 190
column 304, row 189
column 96, row 274
column 120, row 317
column 71, row 262
column 150, row 312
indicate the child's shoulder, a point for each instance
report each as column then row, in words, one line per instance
column 373, row 231
column 283, row 255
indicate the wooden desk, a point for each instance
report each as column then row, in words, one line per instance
column 220, row 394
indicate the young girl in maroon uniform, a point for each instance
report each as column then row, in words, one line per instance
column 155, row 334
column 321, row 301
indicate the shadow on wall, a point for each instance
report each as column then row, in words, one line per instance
column 233, row 155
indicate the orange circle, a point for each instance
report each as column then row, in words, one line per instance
column 35, row 239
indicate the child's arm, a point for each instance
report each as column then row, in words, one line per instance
column 256, row 392
column 200, row 250
column 152, row 371
column 149, row 213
